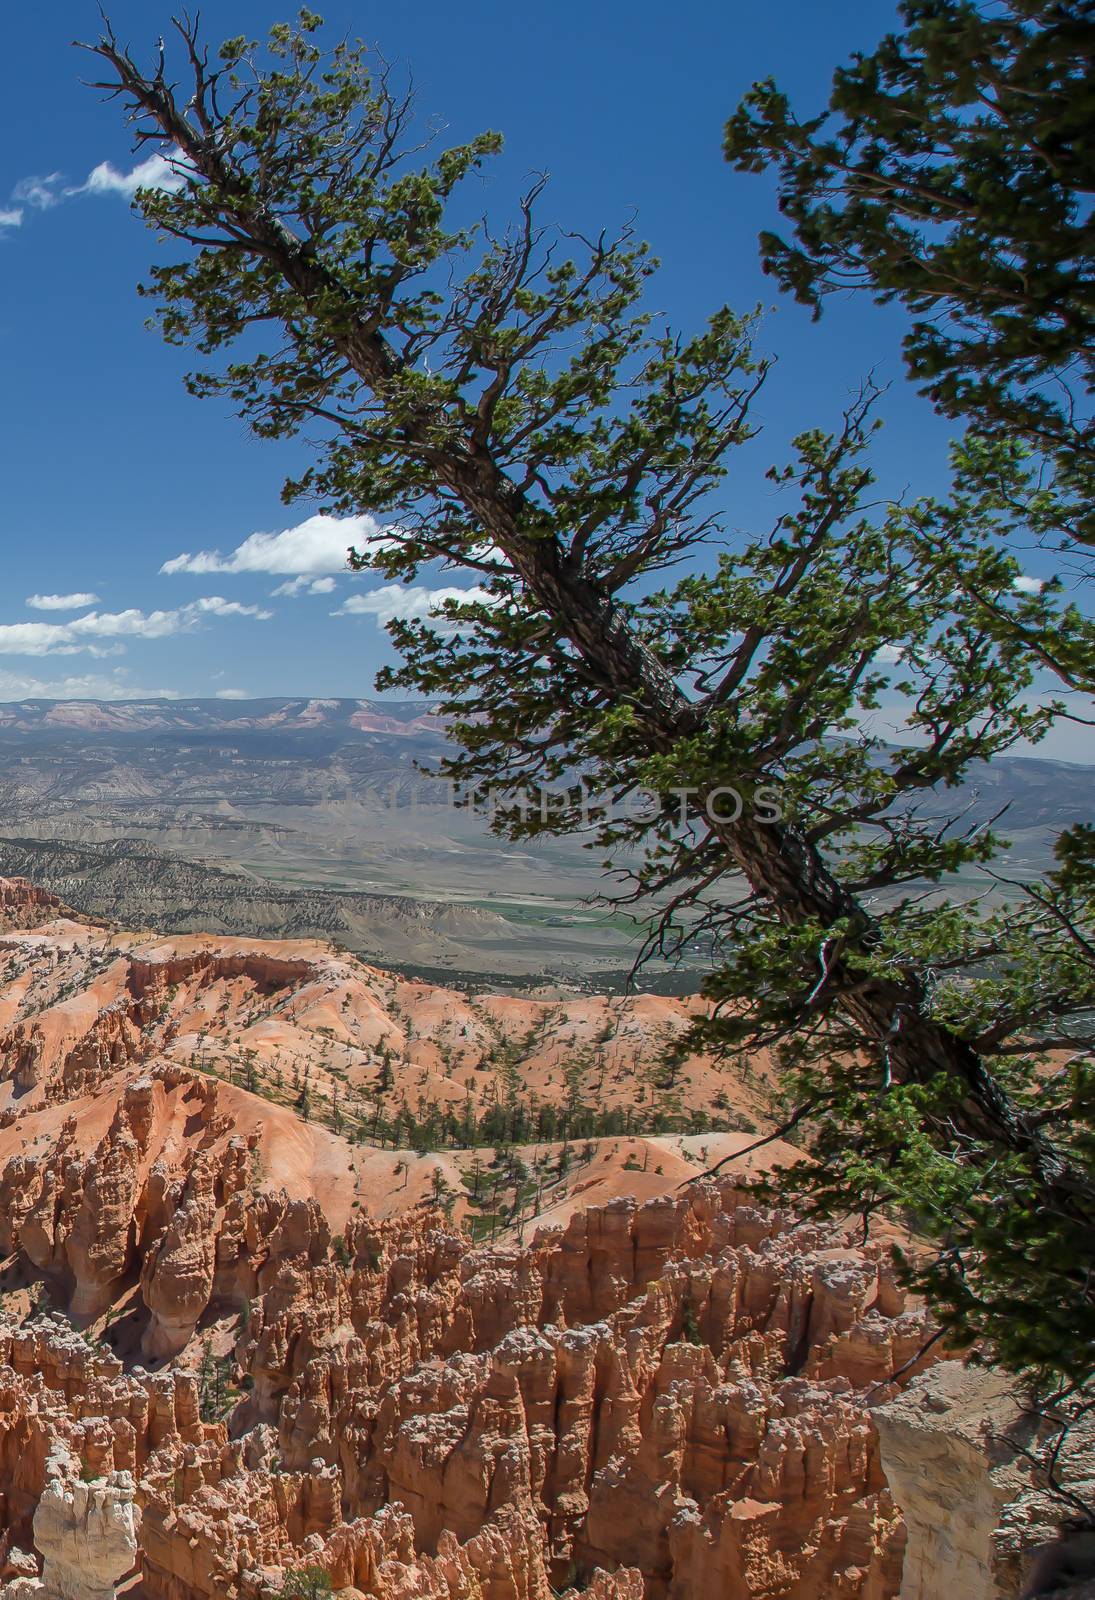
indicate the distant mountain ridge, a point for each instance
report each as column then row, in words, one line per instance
column 1033, row 790
column 400, row 718
column 311, row 816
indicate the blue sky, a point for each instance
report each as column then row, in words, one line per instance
column 111, row 470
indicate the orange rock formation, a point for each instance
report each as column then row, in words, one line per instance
column 675, row 1388
column 236, row 1344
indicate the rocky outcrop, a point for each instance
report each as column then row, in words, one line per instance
column 960, row 1448
column 85, row 1221
column 95, row 1222
column 86, row 1532
column 664, row 1400
column 63, row 1067
column 26, row 905
column 177, row 1275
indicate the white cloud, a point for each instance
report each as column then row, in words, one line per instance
column 1027, row 585
column 232, row 694
column 129, row 624
column 41, row 193
column 37, row 639
column 317, row 546
column 67, row 638
column 406, row 601
column 88, row 686
column 61, row 602
column 294, row 586
column 889, row 655
column 215, row 605
column 154, row 172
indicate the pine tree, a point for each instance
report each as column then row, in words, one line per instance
column 952, row 171
column 519, row 415
column 306, row 1583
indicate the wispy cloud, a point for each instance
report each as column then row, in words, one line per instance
column 39, row 192
column 232, row 694
column 155, row 172
column 216, row 606
column 61, row 602
column 43, row 191
column 318, row 545
column 294, row 586
column 404, row 601
column 84, row 633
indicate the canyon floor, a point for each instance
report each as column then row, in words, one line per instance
column 311, row 1274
